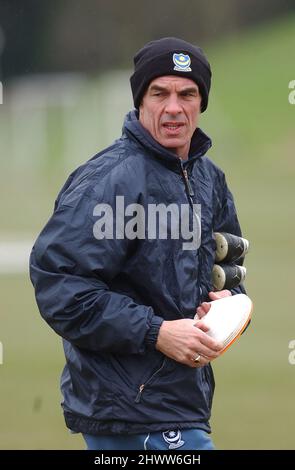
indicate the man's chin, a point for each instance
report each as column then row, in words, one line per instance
column 171, row 143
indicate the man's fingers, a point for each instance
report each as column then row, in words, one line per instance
column 207, row 353
column 184, row 340
column 203, row 309
column 202, row 326
column 206, row 340
column 219, row 294
column 203, row 361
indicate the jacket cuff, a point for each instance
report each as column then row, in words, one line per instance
column 152, row 334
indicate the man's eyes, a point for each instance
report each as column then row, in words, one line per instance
column 189, row 94
column 185, row 94
column 158, row 93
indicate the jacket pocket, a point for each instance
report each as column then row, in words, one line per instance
column 150, row 379
column 132, row 372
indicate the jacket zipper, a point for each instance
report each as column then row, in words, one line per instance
column 189, row 190
column 143, row 386
column 187, row 183
column 190, row 193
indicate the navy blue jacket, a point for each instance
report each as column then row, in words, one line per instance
column 107, row 298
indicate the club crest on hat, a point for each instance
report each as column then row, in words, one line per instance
column 182, row 62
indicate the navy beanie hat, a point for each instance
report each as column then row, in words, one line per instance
column 170, row 56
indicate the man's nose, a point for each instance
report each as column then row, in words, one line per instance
column 173, row 105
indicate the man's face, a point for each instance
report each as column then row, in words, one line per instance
column 170, row 111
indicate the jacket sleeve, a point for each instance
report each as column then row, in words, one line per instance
column 226, row 219
column 71, row 271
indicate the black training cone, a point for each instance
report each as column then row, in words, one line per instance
column 229, row 247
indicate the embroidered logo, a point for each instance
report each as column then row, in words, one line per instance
column 173, row 438
column 182, row 62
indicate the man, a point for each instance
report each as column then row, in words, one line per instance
column 123, row 290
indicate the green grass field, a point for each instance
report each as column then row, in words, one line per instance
column 252, row 125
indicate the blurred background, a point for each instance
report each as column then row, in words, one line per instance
column 65, row 67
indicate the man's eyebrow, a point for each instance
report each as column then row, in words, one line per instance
column 157, row 88
column 192, row 89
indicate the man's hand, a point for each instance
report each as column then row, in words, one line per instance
column 184, row 340
column 205, row 306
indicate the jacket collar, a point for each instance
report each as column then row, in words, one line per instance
column 200, row 142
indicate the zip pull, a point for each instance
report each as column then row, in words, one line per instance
column 138, row 396
column 189, row 187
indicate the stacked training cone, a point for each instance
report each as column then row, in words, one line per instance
column 230, row 250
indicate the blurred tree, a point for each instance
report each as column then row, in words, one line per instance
column 94, row 35
column 24, row 26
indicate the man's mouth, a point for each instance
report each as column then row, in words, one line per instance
column 173, row 127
